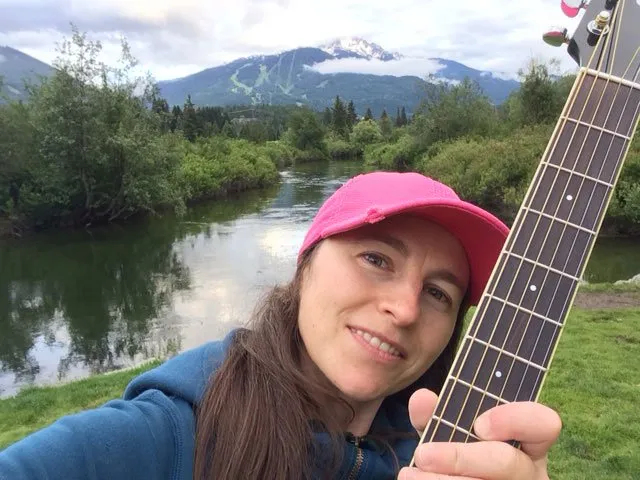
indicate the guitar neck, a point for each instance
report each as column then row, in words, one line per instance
column 508, row 348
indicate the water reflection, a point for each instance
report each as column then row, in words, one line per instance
column 74, row 303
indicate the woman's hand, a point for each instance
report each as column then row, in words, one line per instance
column 535, row 426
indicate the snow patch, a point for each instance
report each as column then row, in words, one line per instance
column 2, row 58
column 359, row 46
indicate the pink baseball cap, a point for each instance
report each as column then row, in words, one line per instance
column 372, row 197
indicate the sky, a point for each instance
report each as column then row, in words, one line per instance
column 172, row 38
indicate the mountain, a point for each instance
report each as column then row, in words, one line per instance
column 349, row 47
column 296, row 76
column 16, row 66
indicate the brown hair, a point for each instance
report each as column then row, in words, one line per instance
column 259, row 413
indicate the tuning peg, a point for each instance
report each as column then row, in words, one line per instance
column 571, row 8
column 556, row 37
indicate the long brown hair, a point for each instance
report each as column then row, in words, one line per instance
column 260, row 411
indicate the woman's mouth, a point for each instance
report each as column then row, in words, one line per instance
column 377, row 343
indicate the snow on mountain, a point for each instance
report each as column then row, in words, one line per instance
column 345, row 46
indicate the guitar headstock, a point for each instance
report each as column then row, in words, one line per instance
column 607, row 38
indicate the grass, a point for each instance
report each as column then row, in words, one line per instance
column 37, row 407
column 594, row 383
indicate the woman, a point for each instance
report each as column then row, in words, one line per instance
column 338, row 373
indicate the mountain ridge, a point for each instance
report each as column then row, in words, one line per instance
column 298, row 76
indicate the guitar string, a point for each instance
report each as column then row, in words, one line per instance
column 527, row 324
column 512, row 286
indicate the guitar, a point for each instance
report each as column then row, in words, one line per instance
column 506, row 352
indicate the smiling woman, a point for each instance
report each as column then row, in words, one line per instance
column 331, row 378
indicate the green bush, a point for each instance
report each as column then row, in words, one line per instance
column 399, row 156
column 493, row 173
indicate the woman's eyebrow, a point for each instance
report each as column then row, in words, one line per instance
column 449, row 277
column 390, row 240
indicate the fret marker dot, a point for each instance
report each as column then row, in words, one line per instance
column 498, row 374
column 569, row 197
column 533, row 288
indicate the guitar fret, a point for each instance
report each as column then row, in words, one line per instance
column 507, row 353
column 578, row 174
column 593, row 127
column 479, row 390
column 455, row 427
column 611, row 78
column 559, row 220
column 496, row 372
column 538, row 264
column 525, row 310
column 535, row 288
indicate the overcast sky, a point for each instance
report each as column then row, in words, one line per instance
column 173, row 38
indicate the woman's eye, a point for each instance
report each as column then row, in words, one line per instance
column 438, row 294
column 375, row 260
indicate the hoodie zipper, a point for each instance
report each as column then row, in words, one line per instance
column 353, row 475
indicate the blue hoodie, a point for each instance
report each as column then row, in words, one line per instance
column 149, row 433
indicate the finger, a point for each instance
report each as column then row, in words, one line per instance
column 421, row 406
column 534, row 425
column 408, row 473
column 487, row 460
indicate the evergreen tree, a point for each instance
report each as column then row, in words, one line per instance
column 327, row 118
column 403, row 117
column 340, row 123
column 352, row 115
column 176, row 118
column 385, row 124
column 398, row 118
column 189, row 120
column 368, row 115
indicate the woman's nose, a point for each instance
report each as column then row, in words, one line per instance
column 402, row 302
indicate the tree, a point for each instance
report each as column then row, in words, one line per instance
column 97, row 156
column 366, row 132
column 451, row 111
column 327, row 118
column 538, row 100
column 189, row 120
column 368, row 115
column 352, row 115
column 340, row 123
column 176, row 118
column 385, row 124
column 305, row 131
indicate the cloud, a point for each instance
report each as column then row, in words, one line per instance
column 419, row 67
column 172, row 38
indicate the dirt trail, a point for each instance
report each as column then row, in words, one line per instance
column 602, row 300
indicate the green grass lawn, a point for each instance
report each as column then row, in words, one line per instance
column 594, row 383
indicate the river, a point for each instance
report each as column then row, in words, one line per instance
column 74, row 303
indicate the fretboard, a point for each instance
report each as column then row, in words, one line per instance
column 508, row 348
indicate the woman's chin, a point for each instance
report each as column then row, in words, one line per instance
column 362, row 390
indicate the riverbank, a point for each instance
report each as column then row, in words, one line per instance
column 592, row 384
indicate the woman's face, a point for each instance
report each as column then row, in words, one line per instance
column 379, row 304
